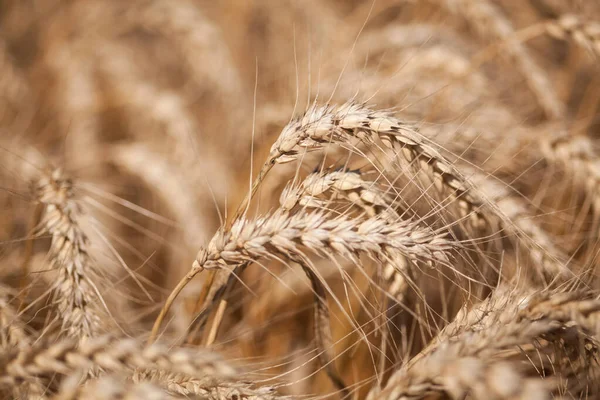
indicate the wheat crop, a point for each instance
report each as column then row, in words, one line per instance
column 275, row 199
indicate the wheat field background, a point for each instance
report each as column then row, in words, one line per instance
column 299, row 199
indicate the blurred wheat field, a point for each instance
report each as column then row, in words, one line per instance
column 334, row 199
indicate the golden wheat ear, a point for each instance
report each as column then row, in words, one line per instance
column 75, row 290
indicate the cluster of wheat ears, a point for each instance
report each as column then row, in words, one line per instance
column 264, row 199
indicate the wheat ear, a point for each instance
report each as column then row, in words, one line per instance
column 112, row 354
column 575, row 153
column 508, row 318
column 468, row 365
column 75, row 293
column 320, row 233
column 343, row 124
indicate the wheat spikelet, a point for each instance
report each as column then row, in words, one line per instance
column 584, row 33
column 109, row 353
column 76, row 295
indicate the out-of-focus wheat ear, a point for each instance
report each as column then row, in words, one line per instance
column 110, row 388
column 210, row 388
column 549, row 261
column 12, row 330
column 576, row 158
column 75, row 289
column 111, row 354
column 584, row 33
column 14, row 336
column 195, row 166
column 491, row 23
